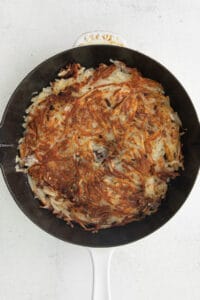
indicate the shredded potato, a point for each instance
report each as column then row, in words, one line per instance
column 100, row 145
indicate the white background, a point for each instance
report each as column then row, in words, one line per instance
column 34, row 265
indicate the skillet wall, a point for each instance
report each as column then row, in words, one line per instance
column 11, row 131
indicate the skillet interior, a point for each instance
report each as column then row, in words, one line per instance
column 11, row 131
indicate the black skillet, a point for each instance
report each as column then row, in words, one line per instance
column 11, row 130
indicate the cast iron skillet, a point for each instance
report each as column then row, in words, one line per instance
column 11, row 130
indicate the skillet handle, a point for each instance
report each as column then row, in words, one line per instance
column 101, row 258
column 100, row 37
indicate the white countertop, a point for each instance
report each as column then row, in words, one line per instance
column 34, row 265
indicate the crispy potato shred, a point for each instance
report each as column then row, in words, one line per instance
column 100, row 145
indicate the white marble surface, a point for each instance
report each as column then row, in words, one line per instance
column 34, row 265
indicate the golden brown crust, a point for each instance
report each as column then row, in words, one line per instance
column 104, row 143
